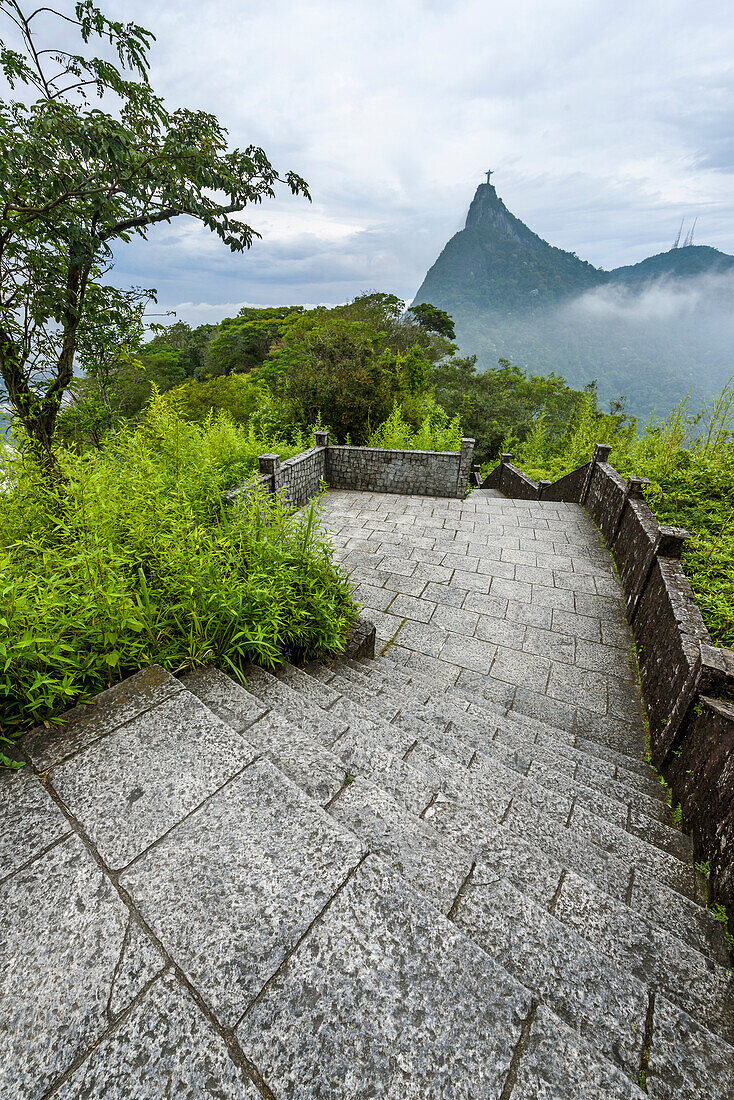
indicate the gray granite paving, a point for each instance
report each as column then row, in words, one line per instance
column 233, row 888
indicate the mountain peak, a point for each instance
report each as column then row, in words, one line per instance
column 488, row 212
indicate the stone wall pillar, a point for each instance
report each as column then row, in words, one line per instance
column 465, row 461
column 322, row 439
column 270, row 467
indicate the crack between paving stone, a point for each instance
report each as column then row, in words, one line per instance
column 570, row 813
column 557, row 892
column 455, row 904
column 118, row 964
column 289, row 954
column 517, row 1053
column 431, row 802
column 347, row 782
column 392, row 640
column 227, row 1034
column 630, row 887
column 409, row 750
column 647, row 1044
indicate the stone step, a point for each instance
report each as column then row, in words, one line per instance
column 437, row 869
column 598, row 750
column 559, row 790
column 557, row 798
column 429, row 772
column 641, row 815
column 590, row 768
column 422, row 1012
column 590, row 992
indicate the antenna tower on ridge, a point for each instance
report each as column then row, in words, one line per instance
column 689, row 237
column 676, row 242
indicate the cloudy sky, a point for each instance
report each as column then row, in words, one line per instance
column 605, row 123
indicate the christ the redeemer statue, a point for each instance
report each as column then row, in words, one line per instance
column 490, row 173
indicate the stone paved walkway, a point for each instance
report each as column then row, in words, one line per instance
column 443, row 873
column 521, row 593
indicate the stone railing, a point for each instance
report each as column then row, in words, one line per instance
column 374, row 469
column 687, row 682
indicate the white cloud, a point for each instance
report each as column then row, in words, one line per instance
column 606, row 123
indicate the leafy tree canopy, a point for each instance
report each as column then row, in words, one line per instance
column 77, row 179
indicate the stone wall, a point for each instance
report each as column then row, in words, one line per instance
column 687, row 683
column 379, row 470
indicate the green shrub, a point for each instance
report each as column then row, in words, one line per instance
column 435, row 433
column 130, row 560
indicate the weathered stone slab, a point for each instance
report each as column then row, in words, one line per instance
column 103, row 714
column 165, row 1048
column 63, row 928
column 230, row 891
column 435, row 1018
column 131, row 788
column 556, row 1064
column 584, row 988
column 29, row 819
column 227, row 699
column 270, row 690
column 403, row 841
column 686, row 1061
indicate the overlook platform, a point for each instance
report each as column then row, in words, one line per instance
column 443, row 873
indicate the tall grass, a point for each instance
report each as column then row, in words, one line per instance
column 130, row 560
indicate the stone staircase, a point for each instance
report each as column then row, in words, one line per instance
column 375, row 878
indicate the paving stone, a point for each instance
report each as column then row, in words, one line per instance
column 485, row 604
column 63, row 931
column 103, row 714
column 131, row 788
column 405, row 842
column 511, row 590
column 521, row 668
column 371, row 596
column 422, row 637
column 557, row 1065
column 409, row 607
column 686, row 1061
column 550, row 644
column 529, row 614
column 578, row 687
column 592, row 995
column 578, row 626
column 227, row 699
column 444, row 594
column 471, row 653
column 500, row 631
column 166, row 1047
column 231, row 890
column 687, row 978
column 456, row 619
column 140, row 960
column 29, row 819
column 436, row 1018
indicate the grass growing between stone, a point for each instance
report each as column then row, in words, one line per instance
column 130, row 560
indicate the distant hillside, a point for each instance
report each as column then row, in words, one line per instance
column 649, row 331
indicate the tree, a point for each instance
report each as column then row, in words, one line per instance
column 433, row 319
column 77, row 179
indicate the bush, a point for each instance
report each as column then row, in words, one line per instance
column 435, row 433
column 130, row 560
